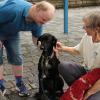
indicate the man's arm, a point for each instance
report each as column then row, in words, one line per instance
column 36, row 32
column 7, row 13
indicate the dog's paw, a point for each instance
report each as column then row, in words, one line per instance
column 40, row 96
column 44, row 97
column 37, row 96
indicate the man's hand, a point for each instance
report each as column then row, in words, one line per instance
column 1, row 44
column 34, row 40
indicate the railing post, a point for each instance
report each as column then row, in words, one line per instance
column 66, row 16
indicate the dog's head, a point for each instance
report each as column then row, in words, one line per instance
column 48, row 41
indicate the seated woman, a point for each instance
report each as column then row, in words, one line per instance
column 88, row 48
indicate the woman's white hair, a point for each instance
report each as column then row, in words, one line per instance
column 93, row 19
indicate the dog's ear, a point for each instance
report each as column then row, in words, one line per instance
column 54, row 41
column 42, row 37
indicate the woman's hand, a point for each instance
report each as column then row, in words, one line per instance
column 95, row 88
column 59, row 46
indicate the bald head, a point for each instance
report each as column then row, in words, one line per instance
column 42, row 12
column 45, row 6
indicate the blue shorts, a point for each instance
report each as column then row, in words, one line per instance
column 13, row 49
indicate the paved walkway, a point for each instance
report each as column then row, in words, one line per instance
column 31, row 53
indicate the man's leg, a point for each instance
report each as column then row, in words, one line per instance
column 70, row 71
column 2, row 87
column 1, row 61
column 15, row 58
column 1, row 72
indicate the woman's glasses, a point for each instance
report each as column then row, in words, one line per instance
column 85, row 27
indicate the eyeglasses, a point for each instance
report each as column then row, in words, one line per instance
column 85, row 27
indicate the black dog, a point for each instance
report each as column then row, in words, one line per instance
column 50, row 82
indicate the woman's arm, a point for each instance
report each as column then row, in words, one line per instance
column 71, row 50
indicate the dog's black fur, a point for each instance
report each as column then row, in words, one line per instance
column 50, row 82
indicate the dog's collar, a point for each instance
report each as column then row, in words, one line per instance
column 49, row 57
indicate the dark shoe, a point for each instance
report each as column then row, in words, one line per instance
column 2, row 90
column 23, row 91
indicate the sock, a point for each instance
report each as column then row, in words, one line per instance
column 2, row 87
column 18, row 80
column 2, row 82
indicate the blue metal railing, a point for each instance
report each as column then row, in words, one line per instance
column 66, row 16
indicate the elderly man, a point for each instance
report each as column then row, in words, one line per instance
column 16, row 16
